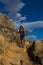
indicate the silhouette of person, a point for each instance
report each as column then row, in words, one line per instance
column 22, row 35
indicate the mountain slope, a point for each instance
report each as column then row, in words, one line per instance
column 10, row 52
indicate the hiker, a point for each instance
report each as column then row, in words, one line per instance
column 22, row 35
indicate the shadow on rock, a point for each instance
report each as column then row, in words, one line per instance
column 33, row 58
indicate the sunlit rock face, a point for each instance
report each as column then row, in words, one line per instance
column 10, row 52
column 39, row 49
column 5, row 21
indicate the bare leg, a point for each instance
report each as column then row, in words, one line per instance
column 22, row 43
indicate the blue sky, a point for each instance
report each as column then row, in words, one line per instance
column 28, row 13
column 33, row 10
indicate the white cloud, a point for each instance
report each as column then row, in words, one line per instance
column 13, row 6
column 18, row 15
column 23, row 18
column 19, row 18
column 32, row 38
column 29, row 26
column 35, row 24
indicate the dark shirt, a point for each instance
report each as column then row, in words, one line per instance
column 22, row 34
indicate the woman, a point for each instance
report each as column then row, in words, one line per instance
column 22, row 35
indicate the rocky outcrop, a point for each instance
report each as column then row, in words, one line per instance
column 10, row 52
column 5, row 21
column 39, row 49
column 35, row 52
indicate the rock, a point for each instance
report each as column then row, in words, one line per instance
column 10, row 52
column 5, row 21
column 35, row 52
column 39, row 48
